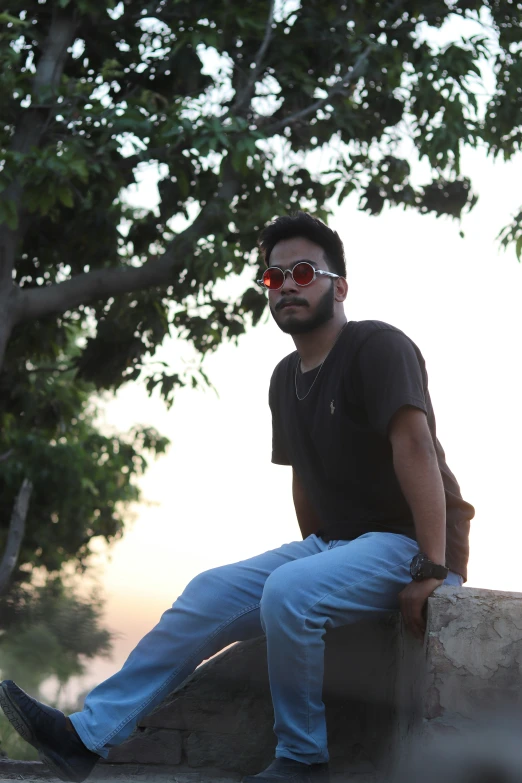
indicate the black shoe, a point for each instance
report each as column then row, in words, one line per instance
column 46, row 730
column 289, row 771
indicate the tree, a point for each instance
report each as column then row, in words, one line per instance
column 49, row 630
column 229, row 101
column 15, row 533
column 83, row 480
column 244, row 111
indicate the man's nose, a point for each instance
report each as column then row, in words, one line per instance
column 289, row 283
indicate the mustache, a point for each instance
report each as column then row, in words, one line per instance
column 294, row 300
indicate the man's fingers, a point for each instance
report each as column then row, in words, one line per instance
column 419, row 629
column 413, row 619
column 415, row 627
column 412, row 601
column 417, row 619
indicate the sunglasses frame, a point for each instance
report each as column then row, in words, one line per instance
column 291, row 273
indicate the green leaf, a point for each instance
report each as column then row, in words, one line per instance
column 89, row 485
column 65, row 195
column 79, row 167
column 518, row 247
column 345, row 191
column 44, row 201
column 9, row 214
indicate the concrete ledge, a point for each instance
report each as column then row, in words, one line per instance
column 471, row 667
column 384, row 691
column 474, row 653
column 222, row 715
column 385, row 694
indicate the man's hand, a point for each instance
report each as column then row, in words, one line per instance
column 412, row 601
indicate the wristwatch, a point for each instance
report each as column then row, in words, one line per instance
column 421, row 567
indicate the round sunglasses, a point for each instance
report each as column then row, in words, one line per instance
column 302, row 273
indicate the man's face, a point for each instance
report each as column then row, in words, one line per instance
column 301, row 309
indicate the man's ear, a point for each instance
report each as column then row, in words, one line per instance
column 341, row 289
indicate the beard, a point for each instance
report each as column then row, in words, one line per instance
column 323, row 312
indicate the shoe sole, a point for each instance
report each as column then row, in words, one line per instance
column 255, row 779
column 46, row 755
column 322, row 777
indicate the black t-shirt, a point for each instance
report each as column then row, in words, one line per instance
column 336, row 438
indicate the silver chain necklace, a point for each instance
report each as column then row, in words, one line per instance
column 318, row 371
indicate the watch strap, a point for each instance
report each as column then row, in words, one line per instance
column 437, row 571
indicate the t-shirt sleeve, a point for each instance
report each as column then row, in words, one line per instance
column 279, row 453
column 390, row 377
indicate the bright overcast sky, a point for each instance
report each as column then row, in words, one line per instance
column 216, row 497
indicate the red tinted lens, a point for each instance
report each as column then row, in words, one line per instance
column 273, row 278
column 303, row 273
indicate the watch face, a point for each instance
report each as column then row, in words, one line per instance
column 417, row 566
column 421, row 568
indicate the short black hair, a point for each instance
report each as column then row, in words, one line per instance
column 301, row 224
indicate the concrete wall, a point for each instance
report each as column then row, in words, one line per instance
column 474, row 656
column 221, row 718
column 384, row 691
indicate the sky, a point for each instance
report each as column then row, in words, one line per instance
column 215, row 497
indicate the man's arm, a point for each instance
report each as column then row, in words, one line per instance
column 418, row 473
column 307, row 517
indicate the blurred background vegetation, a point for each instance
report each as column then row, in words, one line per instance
column 84, row 484
column 48, row 631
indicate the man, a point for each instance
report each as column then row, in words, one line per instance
column 373, row 496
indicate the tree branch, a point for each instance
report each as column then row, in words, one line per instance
column 6, row 455
column 15, row 535
column 46, row 81
column 245, row 95
column 351, row 76
column 104, row 283
column 33, row 124
column 9, row 293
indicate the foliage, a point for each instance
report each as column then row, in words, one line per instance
column 12, row 746
column 244, row 114
column 47, row 631
column 50, row 631
column 83, row 480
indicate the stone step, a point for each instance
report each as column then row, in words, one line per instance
column 36, row 772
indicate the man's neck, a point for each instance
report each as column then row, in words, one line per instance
column 314, row 347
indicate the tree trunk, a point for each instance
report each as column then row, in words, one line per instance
column 15, row 535
column 27, row 135
column 5, row 333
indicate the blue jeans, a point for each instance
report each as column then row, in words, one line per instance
column 294, row 594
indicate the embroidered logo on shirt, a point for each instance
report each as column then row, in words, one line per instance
column 332, row 408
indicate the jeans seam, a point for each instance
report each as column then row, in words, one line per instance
column 307, row 694
column 309, row 730
column 173, row 674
